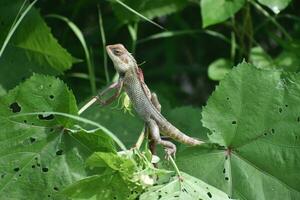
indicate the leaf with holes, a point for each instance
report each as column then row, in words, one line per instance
column 40, row 154
column 254, row 116
column 186, row 187
column 31, row 49
column 118, row 179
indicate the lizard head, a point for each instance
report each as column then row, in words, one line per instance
column 121, row 58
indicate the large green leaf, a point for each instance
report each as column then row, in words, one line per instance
column 254, row 116
column 148, row 8
column 275, row 5
column 185, row 187
column 216, row 11
column 31, row 49
column 39, row 154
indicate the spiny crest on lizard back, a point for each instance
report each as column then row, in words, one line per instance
column 121, row 58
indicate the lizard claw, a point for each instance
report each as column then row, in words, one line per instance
column 170, row 152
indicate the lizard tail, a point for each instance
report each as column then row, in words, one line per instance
column 169, row 130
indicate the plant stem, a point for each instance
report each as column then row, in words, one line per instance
column 102, row 33
column 175, row 166
column 141, row 139
column 272, row 19
column 87, row 105
column 15, row 25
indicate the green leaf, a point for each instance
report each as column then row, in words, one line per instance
column 40, row 154
column 107, row 186
column 32, row 47
column 113, row 161
column 275, row 5
column 148, row 8
column 189, row 188
column 219, row 68
column 287, row 60
column 116, row 182
column 261, row 59
column 254, row 116
column 217, row 11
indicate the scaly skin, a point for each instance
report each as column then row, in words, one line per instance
column 145, row 103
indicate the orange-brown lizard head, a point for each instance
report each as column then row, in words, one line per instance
column 122, row 59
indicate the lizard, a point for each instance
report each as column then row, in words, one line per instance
column 145, row 103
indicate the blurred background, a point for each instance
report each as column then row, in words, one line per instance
column 183, row 62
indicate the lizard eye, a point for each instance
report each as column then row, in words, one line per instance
column 117, row 52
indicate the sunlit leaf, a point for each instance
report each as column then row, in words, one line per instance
column 216, row 11
column 254, row 116
column 219, row 68
column 275, row 5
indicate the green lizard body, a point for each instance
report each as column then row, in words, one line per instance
column 145, row 103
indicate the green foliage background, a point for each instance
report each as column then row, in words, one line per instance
column 53, row 60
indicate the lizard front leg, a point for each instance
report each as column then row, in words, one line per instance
column 170, row 148
column 117, row 85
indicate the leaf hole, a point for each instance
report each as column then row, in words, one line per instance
column 233, row 122
column 159, row 196
column 46, row 117
column 209, row 195
column 15, row 107
column 33, row 166
column 224, row 171
column 226, row 178
column 280, row 110
column 272, row 130
column 286, row 105
column 51, row 96
column 45, row 169
column 25, row 121
column 227, row 98
column 55, row 188
column 59, row 152
column 16, row 169
column 32, row 140
column 298, row 119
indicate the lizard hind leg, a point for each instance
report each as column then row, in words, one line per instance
column 169, row 147
column 155, row 102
